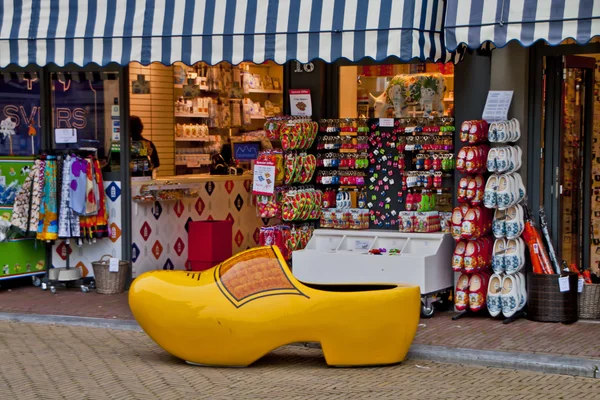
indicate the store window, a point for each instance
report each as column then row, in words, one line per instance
column 396, row 90
column 201, row 115
column 20, row 114
column 82, row 105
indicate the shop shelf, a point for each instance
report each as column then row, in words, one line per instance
column 197, row 139
column 182, row 115
column 185, row 163
column 265, row 91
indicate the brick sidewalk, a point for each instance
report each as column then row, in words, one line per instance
column 470, row 332
column 65, row 362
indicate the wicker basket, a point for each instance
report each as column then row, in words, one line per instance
column 110, row 282
column 589, row 302
column 546, row 303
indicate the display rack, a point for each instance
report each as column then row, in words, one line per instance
column 343, row 257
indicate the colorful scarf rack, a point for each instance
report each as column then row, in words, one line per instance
column 62, row 197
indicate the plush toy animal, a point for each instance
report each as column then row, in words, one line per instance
column 425, row 91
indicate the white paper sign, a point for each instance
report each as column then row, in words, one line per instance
column 386, row 122
column 563, row 283
column 264, row 178
column 497, row 105
column 113, row 265
column 65, row 135
column 361, row 245
column 300, row 102
column 580, row 283
column 3, row 180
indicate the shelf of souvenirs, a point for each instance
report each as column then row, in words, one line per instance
column 211, row 138
column 191, row 115
column 265, row 91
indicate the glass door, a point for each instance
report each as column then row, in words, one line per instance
column 569, row 134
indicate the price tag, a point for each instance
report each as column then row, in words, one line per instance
column 361, row 245
column 580, row 283
column 386, row 122
column 113, row 265
column 263, row 182
column 563, row 284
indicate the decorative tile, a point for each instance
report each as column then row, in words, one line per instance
column 210, row 187
column 113, row 191
column 157, row 249
column 135, row 252
column 169, row 265
column 115, row 232
column 63, row 250
column 200, row 206
column 239, row 238
column 157, row 210
column 239, row 203
column 179, row 208
column 229, row 185
column 146, row 231
column 179, row 246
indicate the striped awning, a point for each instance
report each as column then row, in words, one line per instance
column 104, row 31
column 474, row 22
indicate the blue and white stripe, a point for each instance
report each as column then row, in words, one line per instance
column 104, row 31
column 474, row 22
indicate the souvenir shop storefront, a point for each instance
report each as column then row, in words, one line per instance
column 546, row 54
column 200, row 94
column 391, row 159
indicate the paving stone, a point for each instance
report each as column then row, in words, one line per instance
column 475, row 332
column 65, row 362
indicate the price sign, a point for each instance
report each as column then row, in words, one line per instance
column 65, row 135
column 113, row 265
column 263, row 182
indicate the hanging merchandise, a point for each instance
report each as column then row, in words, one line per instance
column 291, row 204
column 505, row 194
column 68, row 221
column 63, row 196
column 48, row 215
column 26, row 208
column 471, row 223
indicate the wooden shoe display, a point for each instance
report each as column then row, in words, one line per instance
column 251, row 304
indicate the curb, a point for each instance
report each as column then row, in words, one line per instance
column 548, row 364
column 88, row 322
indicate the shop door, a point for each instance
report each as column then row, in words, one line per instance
column 569, row 121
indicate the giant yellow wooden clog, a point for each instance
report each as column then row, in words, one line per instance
column 251, row 304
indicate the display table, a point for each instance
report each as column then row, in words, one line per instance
column 342, row 256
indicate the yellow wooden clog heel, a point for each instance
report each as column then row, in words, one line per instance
column 251, row 304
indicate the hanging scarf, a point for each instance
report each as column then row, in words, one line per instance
column 77, row 185
column 101, row 225
column 91, row 189
column 68, row 225
column 25, row 211
column 48, row 223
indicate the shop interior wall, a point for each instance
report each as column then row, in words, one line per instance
column 510, row 71
column 156, row 111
